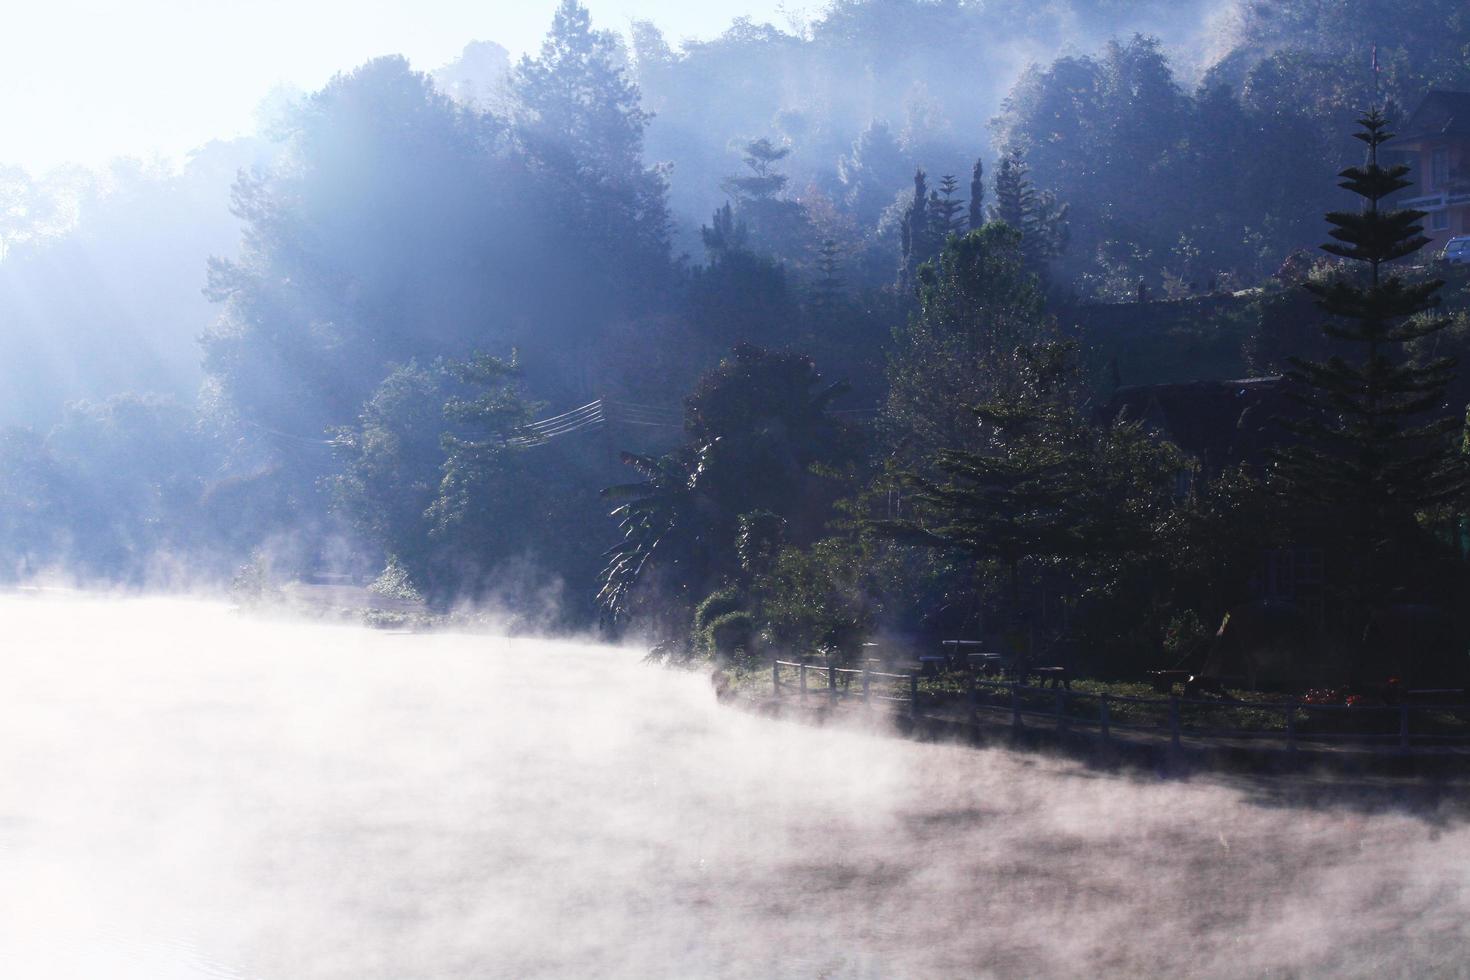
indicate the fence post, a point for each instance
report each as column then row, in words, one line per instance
column 832, row 681
column 866, row 682
column 974, row 698
column 1404, row 727
column 1291, row 729
column 1106, row 721
column 1174, row 721
column 1015, row 706
column 803, row 681
column 1061, row 710
column 775, row 677
column 914, row 694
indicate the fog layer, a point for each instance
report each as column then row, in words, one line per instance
column 186, row 791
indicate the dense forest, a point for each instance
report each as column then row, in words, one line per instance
column 779, row 341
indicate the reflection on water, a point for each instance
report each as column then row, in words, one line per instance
column 186, row 792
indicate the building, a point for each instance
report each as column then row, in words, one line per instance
column 1435, row 143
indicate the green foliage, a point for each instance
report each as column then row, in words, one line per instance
column 666, row 530
column 757, row 425
column 581, row 123
column 978, row 304
column 394, row 582
column 1040, row 219
column 729, row 633
column 777, row 224
column 872, row 173
column 761, row 535
column 719, row 602
column 825, row 598
column 1376, row 448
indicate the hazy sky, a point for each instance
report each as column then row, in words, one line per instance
column 85, row 80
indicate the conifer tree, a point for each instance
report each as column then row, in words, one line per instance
column 724, row 234
column 580, row 121
column 1375, row 445
column 829, row 283
column 1019, row 497
column 945, row 209
column 1040, row 219
column 977, row 195
column 871, row 173
column 917, row 233
column 776, row 223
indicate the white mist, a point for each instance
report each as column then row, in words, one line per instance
column 189, row 792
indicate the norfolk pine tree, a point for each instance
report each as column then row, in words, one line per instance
column 1369, row 459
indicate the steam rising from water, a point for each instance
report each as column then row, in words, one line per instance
column 188, row 792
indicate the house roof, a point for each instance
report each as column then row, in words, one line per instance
column 1440, row 113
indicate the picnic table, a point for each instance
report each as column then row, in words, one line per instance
column 1163, row 681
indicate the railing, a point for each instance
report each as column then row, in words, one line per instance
column 1106, row 716
column 837, row 684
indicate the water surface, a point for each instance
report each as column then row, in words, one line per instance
column 189, row 792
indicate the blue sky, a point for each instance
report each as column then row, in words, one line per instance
column 85, row 80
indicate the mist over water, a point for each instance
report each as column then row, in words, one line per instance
column 186, row 791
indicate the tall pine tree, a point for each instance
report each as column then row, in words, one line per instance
column 917, row 233
column 1376, row 445
column 977, row 195
column 1037, row 215
column 579, row 120
column 945, row 210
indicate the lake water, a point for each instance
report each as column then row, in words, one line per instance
column 186, row 791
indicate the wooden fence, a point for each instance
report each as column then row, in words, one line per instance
column 1402, row 728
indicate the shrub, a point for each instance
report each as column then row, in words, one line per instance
column 729, row 632
column 715, row 605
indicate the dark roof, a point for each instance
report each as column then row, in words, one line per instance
column 1222, row 423
column 1440, row 113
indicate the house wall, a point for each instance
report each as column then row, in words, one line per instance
column 1455, row 217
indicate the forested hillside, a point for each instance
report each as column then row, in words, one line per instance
column 827, row 317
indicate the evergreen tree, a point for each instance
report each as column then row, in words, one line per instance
column 917, row 234
column 723, row 234
column 945, row 210
column 1018, row 496
column 830, row 284
column 1370, row 459
column 977, row 305
column 776, row 224
column 580, row 120
column 872, row 173
column 1041, row 221
column 764, row 182
column 977, row 195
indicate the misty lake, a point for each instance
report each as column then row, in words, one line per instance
column 186, row 791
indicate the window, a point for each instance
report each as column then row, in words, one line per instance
column 1440, row 220
column 1439, row 167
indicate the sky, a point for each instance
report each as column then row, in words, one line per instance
column 82, row 81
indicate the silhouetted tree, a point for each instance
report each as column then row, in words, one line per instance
column 1041, row 221
column 945, row 209
column 976, row 211
column 1376, row 447
column 580, row 121
column 777, row 224
column 872, row 173
column 978, row 303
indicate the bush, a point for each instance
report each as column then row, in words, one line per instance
column 729, row 633
column 715, row 605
